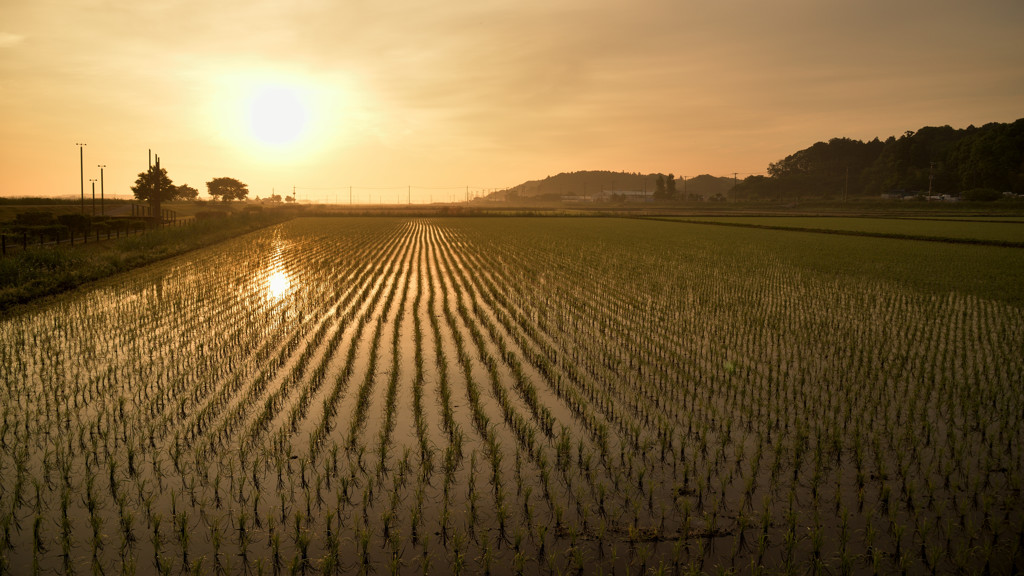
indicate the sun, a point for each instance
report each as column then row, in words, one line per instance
column 278, row 115
column 282, row 117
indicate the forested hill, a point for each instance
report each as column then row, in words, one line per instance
column 975, row 163
column 595, row 182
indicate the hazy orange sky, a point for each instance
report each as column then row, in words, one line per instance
column 326, row 94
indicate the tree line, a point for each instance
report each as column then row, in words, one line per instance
column 155, row 187
column 975, row 163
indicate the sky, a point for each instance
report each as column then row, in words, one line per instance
column 441, row 96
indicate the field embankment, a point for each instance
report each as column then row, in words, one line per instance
column 1007, row 232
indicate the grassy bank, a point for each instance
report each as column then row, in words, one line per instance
column 49, row 270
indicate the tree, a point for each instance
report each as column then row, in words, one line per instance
column 670, row 186
column 155, row 187
column 659, row 187
column 227, row 189
column 186, row 192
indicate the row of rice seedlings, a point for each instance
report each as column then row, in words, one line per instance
column 796, row 445
column 453, row 452
column 363, row 394
column 391, row 393
column 598, row 430
column 262, row 421
column 907, row 501
column 426, row 451
column 112, row 475
column 503, row 508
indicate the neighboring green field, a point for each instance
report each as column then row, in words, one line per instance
column 993, row 272
column 522, row 396
column 1003, row 231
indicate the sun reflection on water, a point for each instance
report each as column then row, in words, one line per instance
column 278, row 284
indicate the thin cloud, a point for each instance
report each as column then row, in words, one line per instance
column 8, row 39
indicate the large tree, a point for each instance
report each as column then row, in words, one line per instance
column 155, row 187
column 227, row 189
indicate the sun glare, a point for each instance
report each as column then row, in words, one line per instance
column 278, row 116
column 278, row 284
column 274, row 116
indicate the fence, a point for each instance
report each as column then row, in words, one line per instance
column 12, row 242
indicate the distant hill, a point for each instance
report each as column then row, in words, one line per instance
column 595, row 182
column 974, row 163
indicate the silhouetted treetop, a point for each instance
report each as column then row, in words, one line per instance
column 154, row 185
column 227, row 189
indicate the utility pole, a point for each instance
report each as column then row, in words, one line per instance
column 101, row 167
column 931, row 176
column 93, row 181
column 81, row 171
column 349, row 195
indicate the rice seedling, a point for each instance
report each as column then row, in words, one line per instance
column 600, row 375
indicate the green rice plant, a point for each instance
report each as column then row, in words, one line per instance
column 156, row 539
column 276, row 560
column 244, row 537
column 38, row 544
column 331, row 561
column 540, row 540
column 363, row 536
column 216, row 540
column 303, row 541
column 458, row 558
column 426, row 559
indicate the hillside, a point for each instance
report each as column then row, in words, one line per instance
column 589, row 183
column 974, row 163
